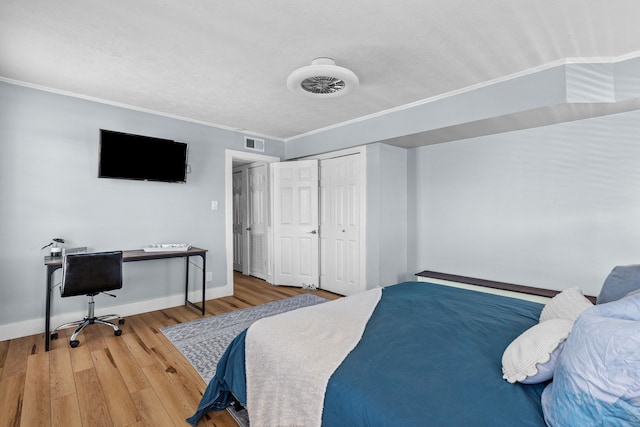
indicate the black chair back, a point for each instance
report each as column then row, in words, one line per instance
column 91, row 273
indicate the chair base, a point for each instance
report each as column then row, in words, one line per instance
column 81, row 324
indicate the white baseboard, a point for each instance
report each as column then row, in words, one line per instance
column 36, row 326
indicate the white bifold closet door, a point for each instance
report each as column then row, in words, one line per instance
column 295, row 223
column 340, row 224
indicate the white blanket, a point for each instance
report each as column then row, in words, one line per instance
column 290, row 358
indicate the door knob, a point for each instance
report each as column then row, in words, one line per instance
column 248, row 228
column 312, row 232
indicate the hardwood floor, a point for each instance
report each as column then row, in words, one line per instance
column 137, row 379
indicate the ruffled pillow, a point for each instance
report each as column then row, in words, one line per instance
column 531, row 357
column 568, row 304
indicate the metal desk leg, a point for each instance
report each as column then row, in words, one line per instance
column 186, row 284
column 186, row 281
column 47, row 316
column 204, row 280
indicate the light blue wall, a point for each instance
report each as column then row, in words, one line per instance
column 554, row 207
column 49, row 188
column 386, row 220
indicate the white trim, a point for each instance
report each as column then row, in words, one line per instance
column 132, row 107
column 230, row 155
column 512, row 294
column 36, row 326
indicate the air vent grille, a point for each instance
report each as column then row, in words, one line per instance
column 253, row 144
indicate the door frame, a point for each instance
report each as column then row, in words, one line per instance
column 230, row 156
column 246, row 200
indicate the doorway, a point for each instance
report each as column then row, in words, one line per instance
column 251, row 219
column 342, row 258
column 239, row 157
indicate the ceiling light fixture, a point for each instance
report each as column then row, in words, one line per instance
column 323, row 79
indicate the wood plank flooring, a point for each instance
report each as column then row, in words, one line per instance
column 137, row 379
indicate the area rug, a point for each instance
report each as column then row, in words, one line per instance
column 203, row 341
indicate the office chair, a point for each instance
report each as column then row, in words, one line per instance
column 90, row 274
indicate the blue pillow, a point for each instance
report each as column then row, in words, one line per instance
column 622, row 280
column 597, row 377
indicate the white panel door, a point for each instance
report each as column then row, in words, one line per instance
column 295, row 223
column 239, row 214
column 257, row 209
column 340, row 225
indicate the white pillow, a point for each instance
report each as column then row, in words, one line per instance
column 531, row 357
column 568, row 305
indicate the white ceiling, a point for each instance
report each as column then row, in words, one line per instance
column 225, row 63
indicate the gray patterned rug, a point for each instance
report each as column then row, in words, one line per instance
column 203, row 341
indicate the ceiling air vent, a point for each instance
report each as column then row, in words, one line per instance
column 253, row 144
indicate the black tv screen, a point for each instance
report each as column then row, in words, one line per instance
column 127, row 156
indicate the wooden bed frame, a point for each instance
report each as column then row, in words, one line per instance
column 502, row 288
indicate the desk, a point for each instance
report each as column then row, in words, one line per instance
column 55, row 263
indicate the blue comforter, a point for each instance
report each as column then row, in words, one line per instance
column 430, row 356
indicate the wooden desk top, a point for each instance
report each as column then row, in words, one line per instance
column 138, row 255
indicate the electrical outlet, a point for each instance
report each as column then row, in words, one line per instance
column 209, row 276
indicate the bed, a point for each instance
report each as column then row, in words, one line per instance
column 427, row 355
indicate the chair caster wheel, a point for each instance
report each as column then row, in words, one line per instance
column 74, row 343
column 54, row 336
column 117, row 333
column 121, row 321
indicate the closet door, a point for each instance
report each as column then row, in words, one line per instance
column 257, row 208
column 295, row 223
column 239, row 214
column 340, row 225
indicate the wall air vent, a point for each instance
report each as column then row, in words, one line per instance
column 253, row 143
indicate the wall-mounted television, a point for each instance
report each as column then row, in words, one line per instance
column 127, row 156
